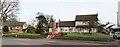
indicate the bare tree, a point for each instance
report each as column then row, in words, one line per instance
column 9, row 9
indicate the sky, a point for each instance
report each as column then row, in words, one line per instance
column 66, row 10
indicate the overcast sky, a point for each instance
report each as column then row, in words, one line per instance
column 66, row 10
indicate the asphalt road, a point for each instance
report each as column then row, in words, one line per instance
column 43, row 42
column 18, row 41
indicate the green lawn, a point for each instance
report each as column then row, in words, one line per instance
column 27, row 34
column 23, row 35
column 97, row 35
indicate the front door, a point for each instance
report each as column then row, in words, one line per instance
column 85, row 30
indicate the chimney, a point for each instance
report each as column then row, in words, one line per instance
column 54, row 26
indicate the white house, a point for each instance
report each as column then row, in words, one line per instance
column 82, row 24
column 15, row 25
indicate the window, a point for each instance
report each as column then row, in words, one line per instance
column 61, row 29
column 65, row 29
column 70, row 28
column 80, row 28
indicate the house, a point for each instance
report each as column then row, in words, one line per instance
column 66, row 26
column 86, row 23
column 1, row 23
column 82, row 24
column 15, row 25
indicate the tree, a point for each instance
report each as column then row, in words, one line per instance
column 92, row 24
column 9, row 9
column 31, row 29
column 42, row 23
column 12, row 19
column 102, row 30
column 5, row 29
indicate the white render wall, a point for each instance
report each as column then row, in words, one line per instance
column 81, row 23
column 50, row 29
column 85, row 30
column 24, row 26
column 65, row 29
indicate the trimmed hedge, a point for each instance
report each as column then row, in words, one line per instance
column 84, row 38
column 23, row 36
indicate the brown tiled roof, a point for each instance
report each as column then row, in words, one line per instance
column 86, row 17
column 67, row 24
column 86, row 26
column 13, row 23
column 51, row 24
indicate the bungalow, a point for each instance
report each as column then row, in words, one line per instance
column 82, row 24
column 15, row 25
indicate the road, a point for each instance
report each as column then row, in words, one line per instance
column 29, row 42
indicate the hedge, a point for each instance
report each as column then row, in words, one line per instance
column 84, row 38
column 23, row 36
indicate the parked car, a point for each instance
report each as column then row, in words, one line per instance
column 116, row 35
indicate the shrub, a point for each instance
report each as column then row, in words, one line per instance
column 62, row 33
column 5, row 29
column 39, row 31
column 31, row 29
column 44, row 35
column 23, row 36
column 84, row 38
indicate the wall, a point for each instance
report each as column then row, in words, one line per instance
column 66, row 29
column 85, row 30
column 50, row 29
column 24, row 26
column 81, row 23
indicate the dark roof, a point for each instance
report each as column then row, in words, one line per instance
column 67, row 24
column 13, row 23
column 86, row 17
column 86, row 26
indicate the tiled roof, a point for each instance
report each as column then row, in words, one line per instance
column 13, row 23
column 67, row 24
column 86, row 26
column 51, row 25
column 86, row 17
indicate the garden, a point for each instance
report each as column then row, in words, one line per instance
column 86, row 37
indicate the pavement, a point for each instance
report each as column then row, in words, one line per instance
column 15, row 42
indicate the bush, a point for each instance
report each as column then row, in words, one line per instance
column 84, row 38
column 23, row 36
column 31, row 29
column 40, row 31
column 44, row 35
column 5, row 29
column 62, row 33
